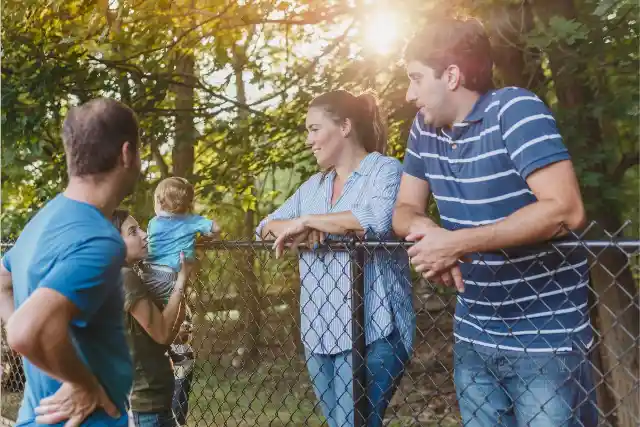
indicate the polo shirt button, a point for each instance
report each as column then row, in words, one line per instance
column 454, row 146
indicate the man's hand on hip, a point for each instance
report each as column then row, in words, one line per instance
column 73, row 404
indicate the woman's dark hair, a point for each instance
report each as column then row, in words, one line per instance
column 363, row 112
column 119, row 217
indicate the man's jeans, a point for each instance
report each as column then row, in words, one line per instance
column 331, row 376
column 512, row 388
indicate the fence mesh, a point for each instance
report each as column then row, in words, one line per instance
column 241, row 359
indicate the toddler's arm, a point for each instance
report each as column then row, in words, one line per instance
column 208, row 228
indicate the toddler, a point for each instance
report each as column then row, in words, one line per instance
column 173, row 230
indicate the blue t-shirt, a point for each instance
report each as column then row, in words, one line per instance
column 477, row 173
column 171, row 234
column 70, row 247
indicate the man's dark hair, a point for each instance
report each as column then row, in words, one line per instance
column 455, row 41
column 93, row 134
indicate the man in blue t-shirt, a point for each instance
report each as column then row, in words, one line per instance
column 60, row 289
column 496, row 165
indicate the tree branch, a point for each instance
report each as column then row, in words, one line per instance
column 628, row 161
column 309, row 19
column 310, row 68
column 157, row 76
column 157, row 157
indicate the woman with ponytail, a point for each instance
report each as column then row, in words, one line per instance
column 354, row 192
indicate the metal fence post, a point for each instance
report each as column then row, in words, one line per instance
column 357, row 256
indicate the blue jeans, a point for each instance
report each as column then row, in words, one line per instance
column 181, row 398
column 512, row 388
column 331, row 376
column 154, row 419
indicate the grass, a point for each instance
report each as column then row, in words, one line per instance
column 9, row 405
column 270, row 394
column 276, row 392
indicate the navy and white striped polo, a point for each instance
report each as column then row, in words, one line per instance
column 476, row 172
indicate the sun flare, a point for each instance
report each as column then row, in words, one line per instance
column 381, row 32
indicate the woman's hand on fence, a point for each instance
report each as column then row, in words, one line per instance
column 297, row 233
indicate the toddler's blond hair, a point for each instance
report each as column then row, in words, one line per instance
column 174, row 195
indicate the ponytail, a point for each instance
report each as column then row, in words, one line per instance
column 363, row 112
column 373, row 129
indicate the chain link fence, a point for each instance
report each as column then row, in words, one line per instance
column 242, row 362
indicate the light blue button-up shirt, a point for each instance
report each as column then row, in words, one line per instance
column 325, row 297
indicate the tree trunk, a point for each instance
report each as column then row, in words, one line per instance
column 185, row 130
column 249, row 286
column 612, row 280
column 517, row 64
column 618, row 320
column 605, row 399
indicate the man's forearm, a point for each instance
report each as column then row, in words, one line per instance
column 407, row 220
column 6, row 295
column 6, row 304
column 534, row 223
column 51, row 350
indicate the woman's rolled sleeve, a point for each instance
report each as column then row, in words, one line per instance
column 375, row 211
column 290, row 209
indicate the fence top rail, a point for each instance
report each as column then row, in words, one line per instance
column 350, row 244
column 628, row 244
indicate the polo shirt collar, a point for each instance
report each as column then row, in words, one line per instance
column 477, row 113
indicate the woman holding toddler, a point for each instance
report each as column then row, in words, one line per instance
column 155, row 302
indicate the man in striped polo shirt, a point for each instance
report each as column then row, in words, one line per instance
column 502, row 178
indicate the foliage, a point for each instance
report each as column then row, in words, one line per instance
column 248, row 154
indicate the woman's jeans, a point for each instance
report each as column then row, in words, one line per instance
column 154, row 419
column 512, row 388
column 331, row 376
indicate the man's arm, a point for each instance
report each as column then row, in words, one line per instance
column 559, row 208
column 409, row 215
column 410, row 218
column 39, row 330
column 6, row 294
column 535, row 146
column 72, row 291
